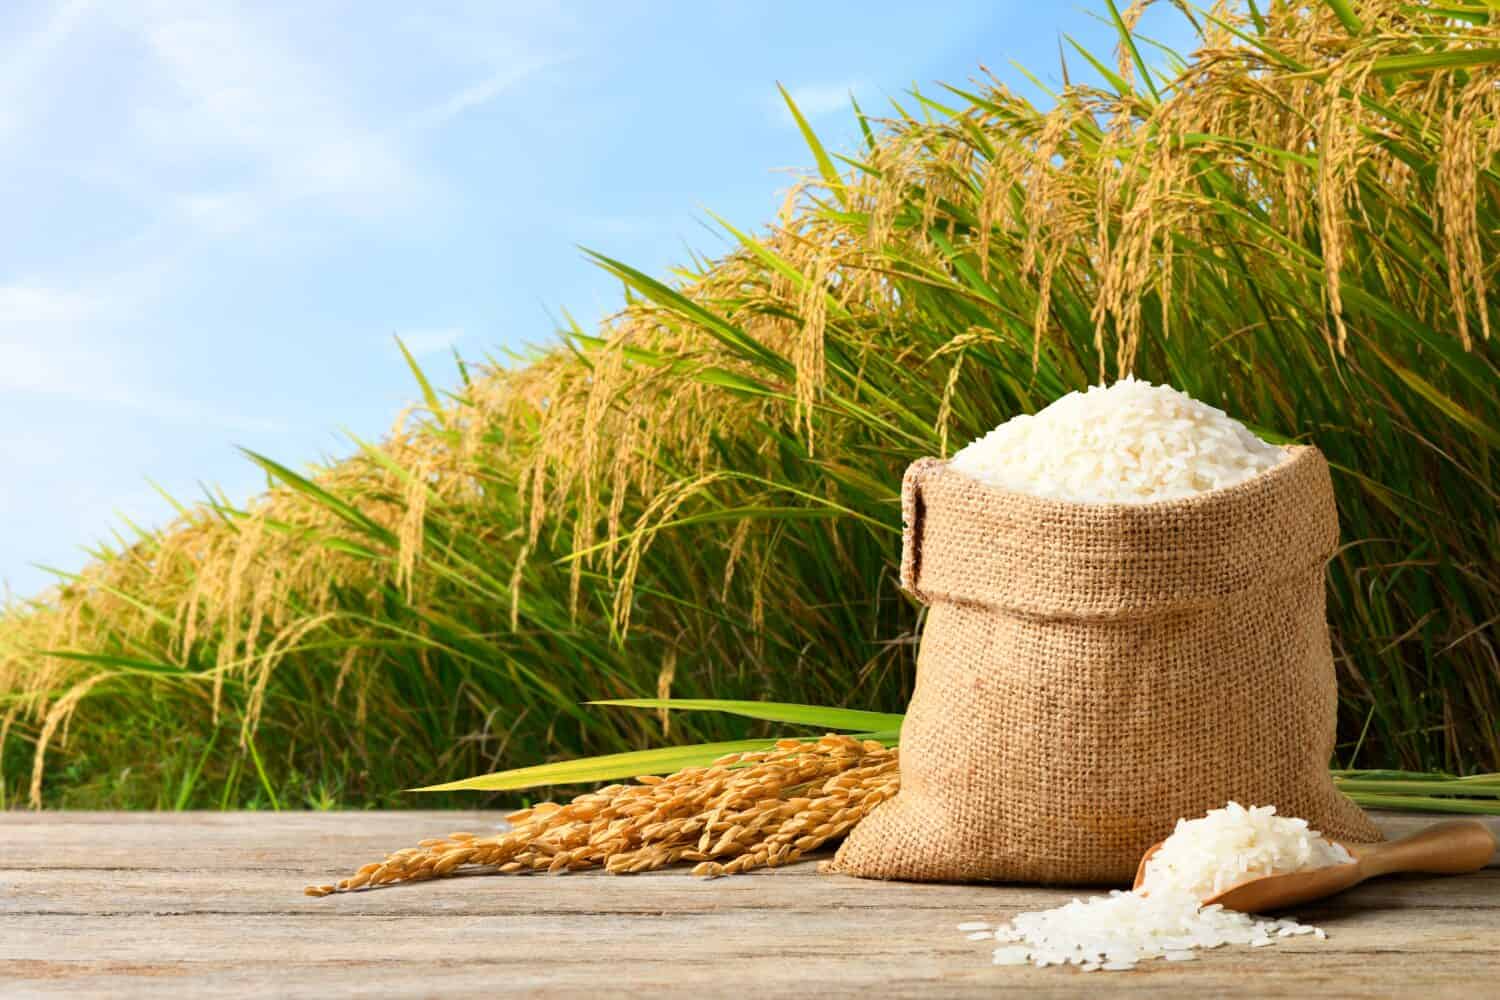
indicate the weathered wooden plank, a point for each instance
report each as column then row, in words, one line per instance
column 832, row 947
column 1354, row 924
column 203, row 839
column 210, row 905
column 328, row 842
column 759, row 952
column 793, row 890
column 776, row 973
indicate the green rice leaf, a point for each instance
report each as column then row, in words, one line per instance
column 1423, row 803
column 1115, row 80
column 1445, row 789
column 609, row 767
column 123, row 664
column 826, row 168
column 720, row 328
column 1422, row 62
column 1127, row 39
column 1345, row 13
column 849, row 719
column 434, row 404
column 342, row 508
column 1438, row 398
column 864, row 123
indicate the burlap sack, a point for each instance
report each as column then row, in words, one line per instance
column 1091, row 672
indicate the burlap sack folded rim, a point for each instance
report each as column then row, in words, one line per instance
column 1044, row 557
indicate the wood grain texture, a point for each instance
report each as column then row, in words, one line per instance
column 210, row 904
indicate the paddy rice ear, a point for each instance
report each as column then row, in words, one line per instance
column 762, row 804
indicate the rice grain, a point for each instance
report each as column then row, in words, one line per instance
column 745, row 811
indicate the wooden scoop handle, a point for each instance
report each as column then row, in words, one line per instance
column 1452, row 848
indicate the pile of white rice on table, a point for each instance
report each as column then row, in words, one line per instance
column 1165, row 918
column 1132, row 442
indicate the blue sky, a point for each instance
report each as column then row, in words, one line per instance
column 217, row 216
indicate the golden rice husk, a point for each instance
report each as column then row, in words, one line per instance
column 742, row 812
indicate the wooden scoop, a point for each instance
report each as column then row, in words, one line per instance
column 1456, row 847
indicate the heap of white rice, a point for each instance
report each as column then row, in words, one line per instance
column 1132, row 442
column 1165, row 917
column 1203, row 857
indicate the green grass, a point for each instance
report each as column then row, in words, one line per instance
column 700, row 499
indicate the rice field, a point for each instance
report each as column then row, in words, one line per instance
column 1296, row 222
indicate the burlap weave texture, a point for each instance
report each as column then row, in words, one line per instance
column 1091, row 672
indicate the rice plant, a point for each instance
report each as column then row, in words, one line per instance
column 1296, row 222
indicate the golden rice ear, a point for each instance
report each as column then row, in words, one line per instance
column 808, row 348
column 1466, row 150
column 744, row 811
column 57, row 716
column 411, row 533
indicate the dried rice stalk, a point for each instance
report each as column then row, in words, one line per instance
column 744, row 811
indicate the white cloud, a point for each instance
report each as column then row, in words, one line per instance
column 26, row 60
column 226, row 123
column 231, row 121
column 483, row 91
column 46, row 349
column 620, row 225
column 815, row 100
column 27, row 304
column 222, row 213
column 422, row 343
column 228, row 97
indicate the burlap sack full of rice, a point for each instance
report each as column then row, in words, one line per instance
column 1091, row 672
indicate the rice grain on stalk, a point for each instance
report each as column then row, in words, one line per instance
column 743, row 811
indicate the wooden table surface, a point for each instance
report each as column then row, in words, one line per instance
column 211, row 904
